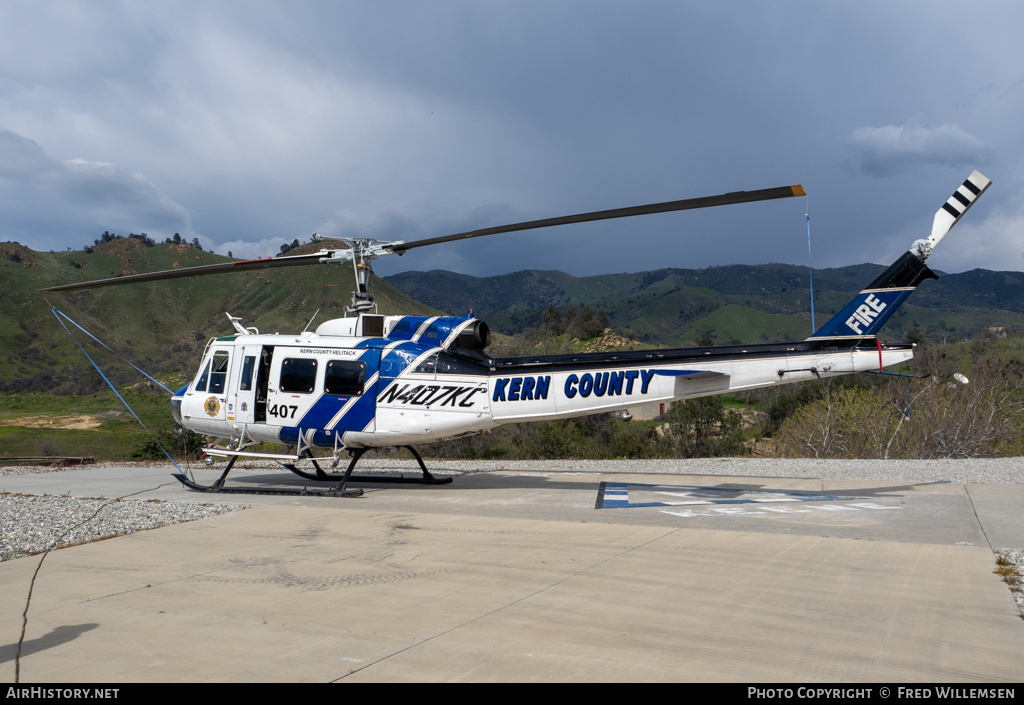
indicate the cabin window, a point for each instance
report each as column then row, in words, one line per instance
column 298, row 375
column 345, row 377
column 248, row 365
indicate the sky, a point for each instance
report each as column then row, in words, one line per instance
column 250, row 124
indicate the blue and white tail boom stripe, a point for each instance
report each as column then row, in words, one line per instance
column 865, row 315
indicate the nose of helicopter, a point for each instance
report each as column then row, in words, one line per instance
column 176, row 404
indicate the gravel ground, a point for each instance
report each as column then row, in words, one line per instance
column 985, row 471
column 30, row 524
column 972, row 471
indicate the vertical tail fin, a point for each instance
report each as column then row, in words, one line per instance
column 872, row 307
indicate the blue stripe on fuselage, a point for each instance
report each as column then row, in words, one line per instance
column 395, row 357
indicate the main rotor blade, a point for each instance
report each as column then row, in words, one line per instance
column 686, row 204
column 240, row 266
column 400, row 247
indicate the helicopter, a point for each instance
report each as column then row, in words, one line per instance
column 373, row 381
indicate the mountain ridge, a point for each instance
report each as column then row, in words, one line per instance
column 667, row 305
column 164, row 325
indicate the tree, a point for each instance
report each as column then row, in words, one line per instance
column 142, row 237
column 551, row 320
column 703, row 428
column 846, row 422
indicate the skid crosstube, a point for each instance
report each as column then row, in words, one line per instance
column 321, row 476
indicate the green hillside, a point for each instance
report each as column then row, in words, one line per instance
column 752, row 303
column 162, row 325
column 54, row 403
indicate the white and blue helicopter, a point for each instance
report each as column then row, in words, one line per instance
column 371, row 381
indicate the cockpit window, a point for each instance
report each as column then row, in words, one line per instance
column 218, row 372
column 214, row 374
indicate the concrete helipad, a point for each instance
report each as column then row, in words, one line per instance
column 523, row 575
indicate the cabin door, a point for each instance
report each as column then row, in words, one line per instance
column 243, row 406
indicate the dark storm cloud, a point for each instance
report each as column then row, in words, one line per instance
column 256, row 123
column 92, row 197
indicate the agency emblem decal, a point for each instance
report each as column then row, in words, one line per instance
column 212, row 406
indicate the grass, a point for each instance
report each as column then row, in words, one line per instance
column 1007, row 570
column 116, row 438
column 1011, row 575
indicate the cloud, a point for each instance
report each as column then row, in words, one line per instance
column 255, row 124
column 46, row 201
column 892, row 149
column 245, row 249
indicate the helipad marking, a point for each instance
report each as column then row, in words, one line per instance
column 765, row 510
column 615, row 495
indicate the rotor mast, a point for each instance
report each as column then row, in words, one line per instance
column 362, row 252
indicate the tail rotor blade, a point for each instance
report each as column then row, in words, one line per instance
column 952, row 211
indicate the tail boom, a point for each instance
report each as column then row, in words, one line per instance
column 865, row 315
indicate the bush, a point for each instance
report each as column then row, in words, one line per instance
column 189, row 446
column 939, row 418
column 703, row 428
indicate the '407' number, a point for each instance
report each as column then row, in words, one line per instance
column 283, row 411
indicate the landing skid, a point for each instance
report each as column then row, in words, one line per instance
column 218, row 487
column 321, row 476
column 339, row 490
